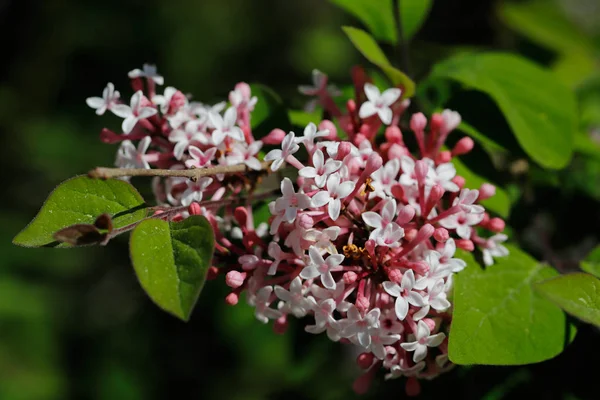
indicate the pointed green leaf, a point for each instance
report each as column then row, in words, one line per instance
column 540, row 110
column 591, row 263
column 499, row 203
column 377, row 15
column 497, row 317
column 171, row 260
column 577, row 293
column 81, row 200
column 372, row 52
column 412, row 15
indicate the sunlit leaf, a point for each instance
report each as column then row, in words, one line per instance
column 377, row 15
column 497, row 317
column 171, row 260
column 591, row 263
column 540, row 110
column 81, row 200
column 577, row 293
column 372, row 52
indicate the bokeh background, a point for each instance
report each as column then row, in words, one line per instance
column 74, row 324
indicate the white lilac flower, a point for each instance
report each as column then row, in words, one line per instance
column 225, row 126
column 291, row 202
column 423, row 340
column 321, row 170
column 148, row 71
column 294, row 299
column 288, row 147
column 244, row 154
column 361, row 326
column 261, row 301
column 128, row 156
column 310, row 134
column 183, row 138
column 200, row 158
column 333, row 195
column 385, row 178
column 109, row 99
column 195, row 190
column 133, row 113
column 405, row 293
column 379, row 103
column 494, row 248
column 320, row 267
column 322, row 238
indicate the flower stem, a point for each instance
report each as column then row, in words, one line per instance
column 194, row 174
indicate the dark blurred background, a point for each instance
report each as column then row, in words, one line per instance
column 74, row 324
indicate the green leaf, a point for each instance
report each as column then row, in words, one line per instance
column 269, row 112
column 377, row 15
column 577, row 293
column 81, row 200
column 540, row 110
column 497, row 317
column 303, row 118
column 171, row 260
column 546, row 24
column 488, row 144
column 499, row 203
column 412, row 15
column 591, row 263
column 372, row 52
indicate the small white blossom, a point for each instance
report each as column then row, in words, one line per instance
column 225, row 126
column 288, row 147
column 423, row 340
column 321, row 170
column 109, row 99
column 149, row 71
column 333, row 195
column 128, row 156
column 294, row 299
column 405, row 293
column 320, row 267
column 195, row 190
column 134, row 112
column 379, row 103
column 494, row 248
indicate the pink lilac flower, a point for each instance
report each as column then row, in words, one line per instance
column 133, row 113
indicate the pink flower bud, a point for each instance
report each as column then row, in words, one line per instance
column 244, row 89
column 374, row 162
column 496, row 225
column 397, row 191
column 274, row 137
column 366, row 130
column 235, row 279
column 362, row 383
column 443, row 157
column 413, row 387
column 418, row 122
column 330, row 126
column 395, row 275
column 195, row 209
column 232, row 299
column 212, row 273
column 343, row 150
column 281, row 325
column 410, row 234
column 485, row 220
column 437, row 121
column 465, row 244
column 397, row 151
column 241, row 216
column 421, row 169
column 420, row 267
column 109, row 137
column 178, row 100
column 351, row 106
column 463, row 146
column 441, row 235
column 486, row 191
column 305, row 221
column 349, row 277
column 459, row 180
column 405, row 215
column 393, row 134
column 362, row 303
column 359, row 138
column 436, row 193
column 430, row 323
column 365, row 360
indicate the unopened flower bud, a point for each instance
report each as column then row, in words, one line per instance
column 232, row 299
column 351, row 106
column 212, row 273
column 195, row 209
column 327, row 125
column 365, row 360
column 393, row 134
column 344, row 149
column 459, row 181
column 465, row 244
column 463, row 146
column 349, row 277
column 395, row 275
column 275, row 137
column 397, row 151
column 305, row 221
column 430, row 323
column 410, row 234
column 281, row 325
column 421, row 169
column 362, row 303
column 441, row 235
column 109, row 137
column 374, row 162
column 418, row 122
column 437, row 121
column 486, row 191
column 496, row 225
column 241, row 215
column 235, row 279
column 443, row 157
column 362, row 383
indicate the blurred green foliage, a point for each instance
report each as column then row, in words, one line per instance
column 75, row 324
